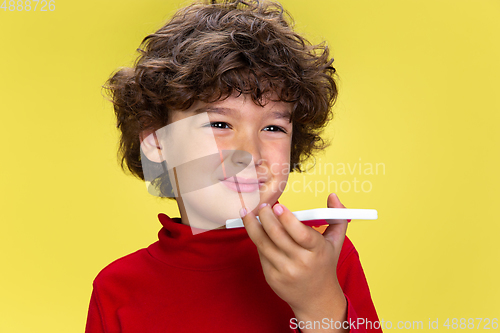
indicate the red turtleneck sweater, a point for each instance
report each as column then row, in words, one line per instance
column 209, row 282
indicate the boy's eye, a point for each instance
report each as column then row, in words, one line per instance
column 274, row 128
column 219, row 124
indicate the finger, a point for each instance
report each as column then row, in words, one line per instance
column 258, row 235
column 306, row 237
column 254, row 229
column 335, row 233
column 267, row 265
column 277, row 233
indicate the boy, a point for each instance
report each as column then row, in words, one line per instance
column 223, row 102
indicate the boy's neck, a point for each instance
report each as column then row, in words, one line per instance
column 195, row 220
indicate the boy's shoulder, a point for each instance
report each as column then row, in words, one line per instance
column 125, row 268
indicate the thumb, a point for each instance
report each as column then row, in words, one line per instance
column 335, row 233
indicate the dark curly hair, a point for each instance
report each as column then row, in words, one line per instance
column 209, row 50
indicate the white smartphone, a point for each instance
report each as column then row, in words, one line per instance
column 321, row 216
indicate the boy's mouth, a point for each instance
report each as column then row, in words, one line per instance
column 239, row 184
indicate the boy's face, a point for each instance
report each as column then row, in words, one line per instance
column 237, row 124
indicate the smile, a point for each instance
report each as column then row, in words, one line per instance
column 244, row 185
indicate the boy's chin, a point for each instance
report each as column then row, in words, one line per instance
column 208, row 210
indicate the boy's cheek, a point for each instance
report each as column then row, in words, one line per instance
column 270, row 192
column 262, row 169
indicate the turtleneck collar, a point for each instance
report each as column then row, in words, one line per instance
column 211, row 250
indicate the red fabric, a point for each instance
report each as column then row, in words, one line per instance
column 209, row 282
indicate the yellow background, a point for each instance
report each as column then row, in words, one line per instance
column 419, row 82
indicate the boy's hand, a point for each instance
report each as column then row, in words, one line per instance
column 300, row 263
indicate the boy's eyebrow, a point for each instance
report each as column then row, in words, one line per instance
column 276, row 114
column 282, row 115
column 213, row 109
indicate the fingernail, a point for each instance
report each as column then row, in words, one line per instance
column 278, row 210
column 349, row 220
column 262, row 206
column 243, row 212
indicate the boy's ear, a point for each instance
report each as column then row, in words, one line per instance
column 150, row 146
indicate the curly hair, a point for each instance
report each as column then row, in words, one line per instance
column 209, row 50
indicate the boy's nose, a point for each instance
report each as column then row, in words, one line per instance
column 247, row 148
column 241, row 157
